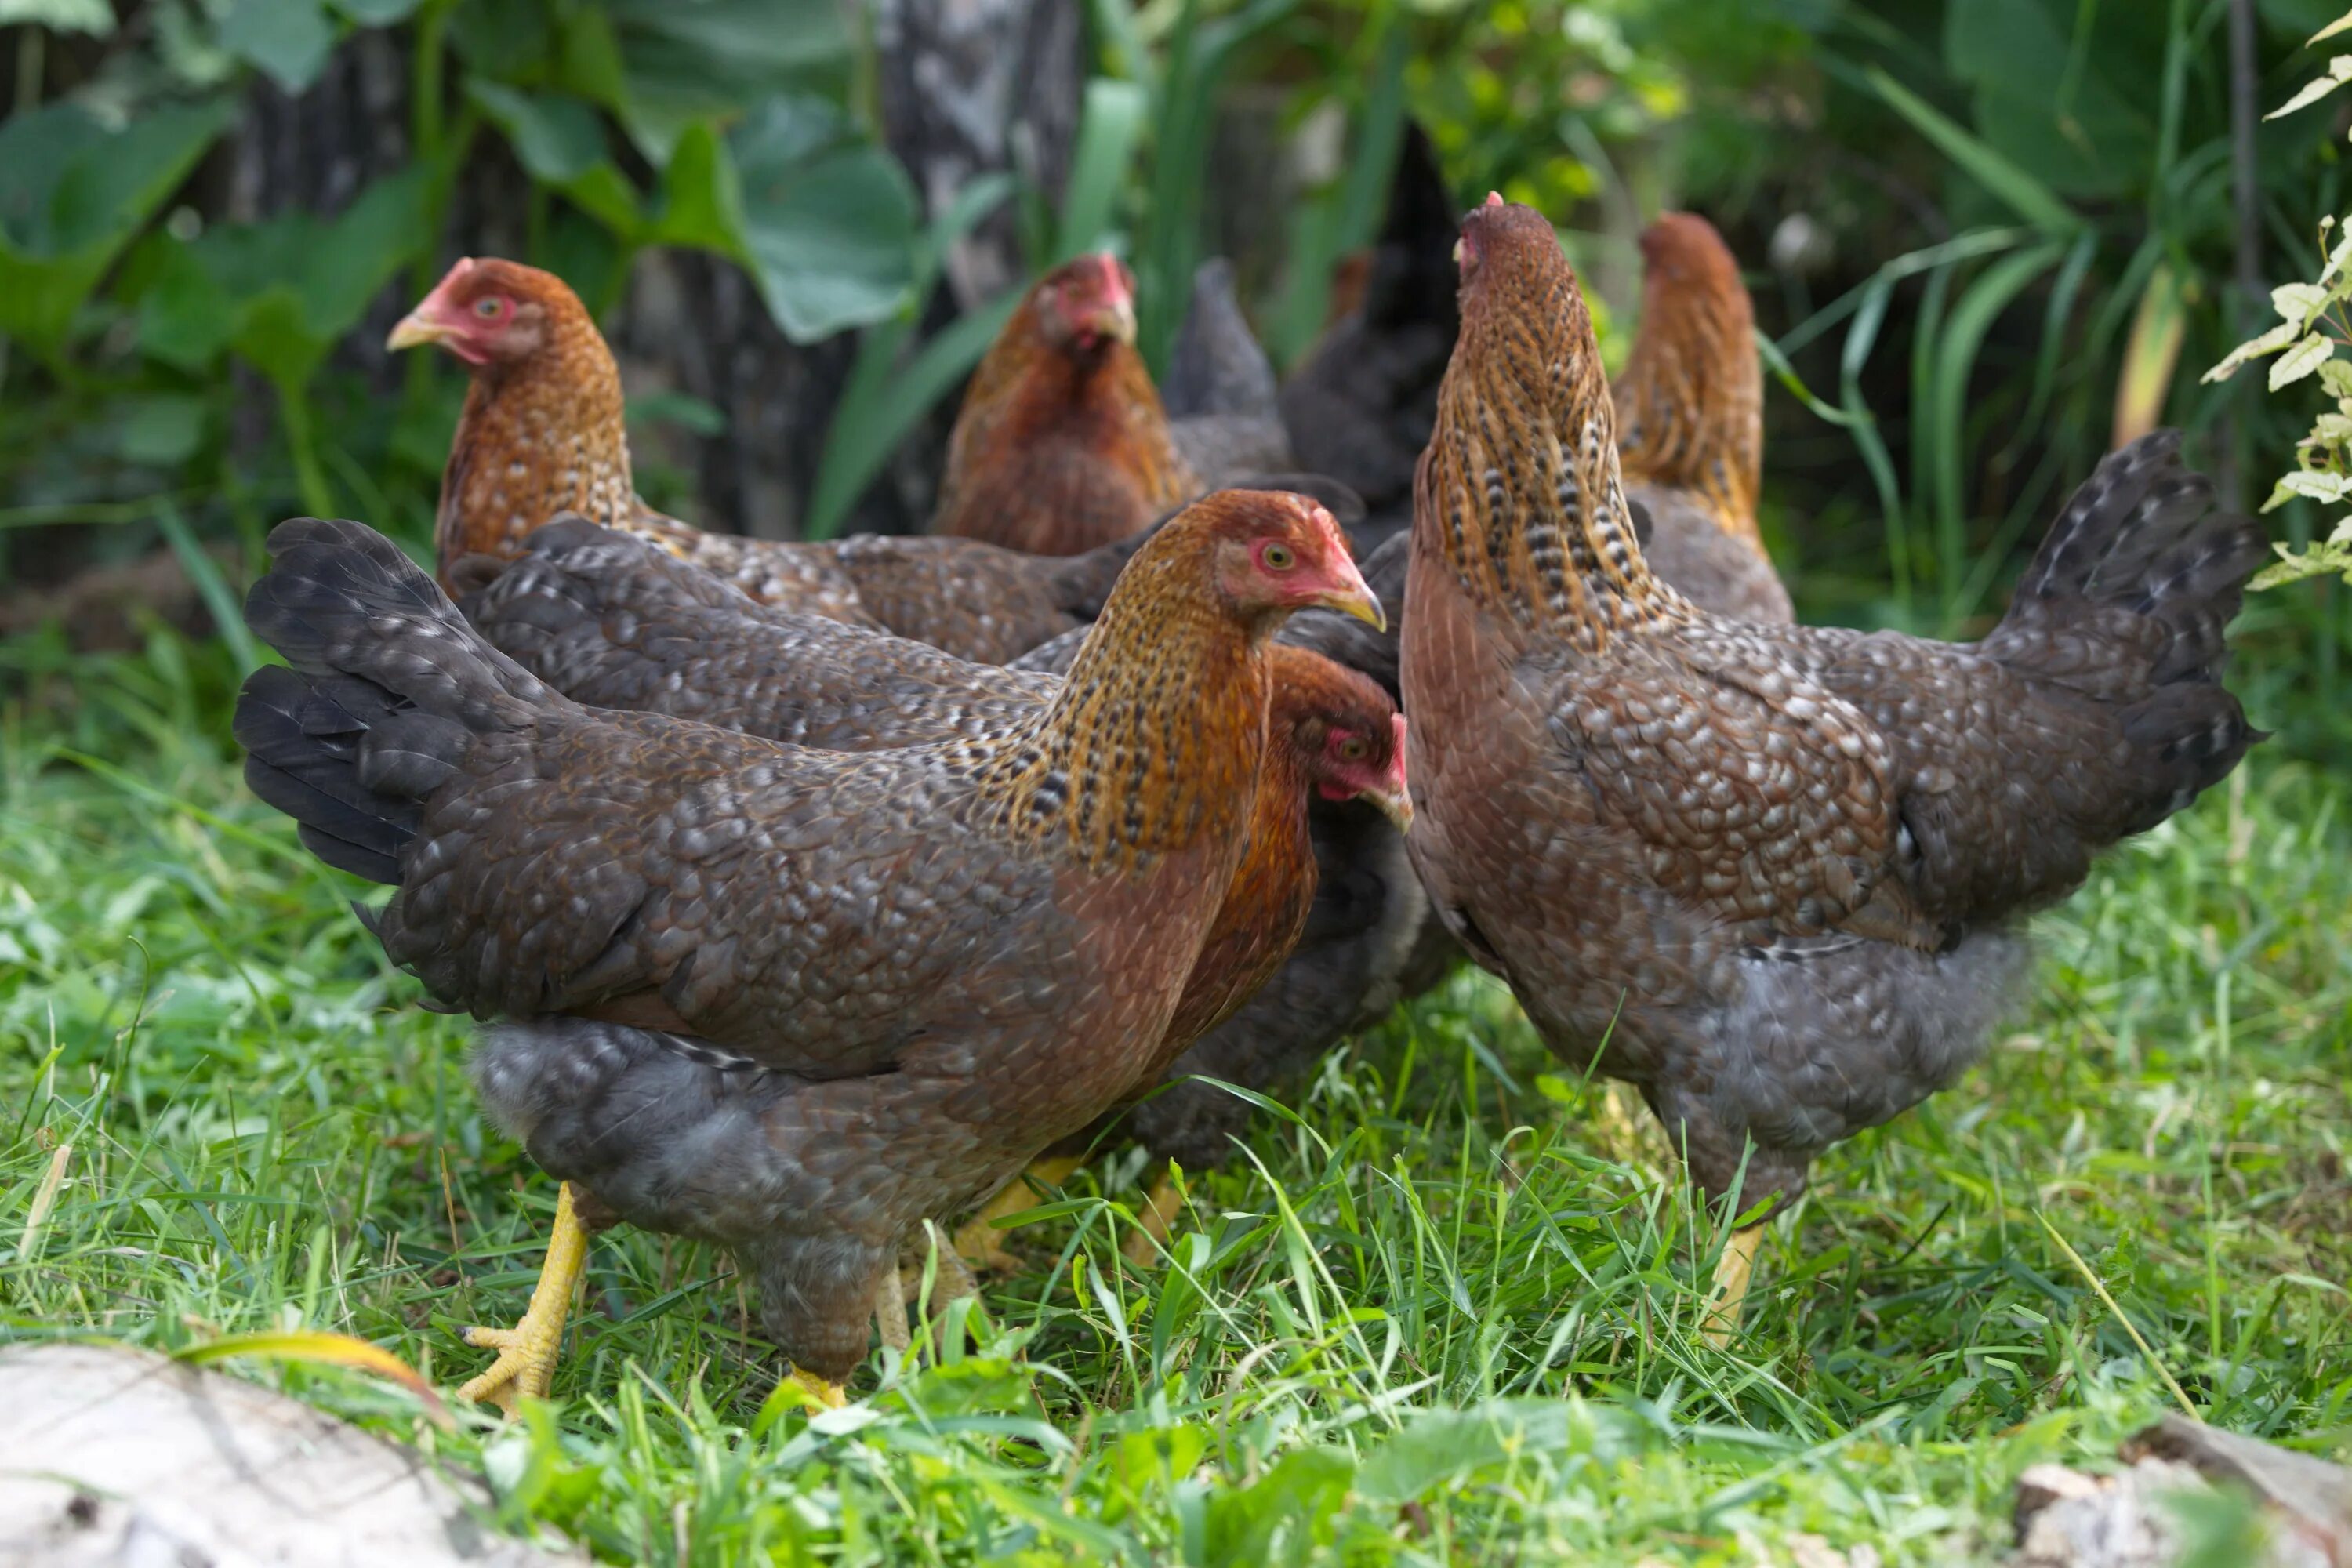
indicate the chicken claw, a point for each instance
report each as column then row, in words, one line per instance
column 979, row 1241
column 821, row 1390
column 1160, row 1205
column 1731, row 1275
column 526, row 1364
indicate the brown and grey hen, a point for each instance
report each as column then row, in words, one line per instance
column 1779, row 869
column 789, row 1000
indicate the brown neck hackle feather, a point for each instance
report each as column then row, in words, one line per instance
column 1155, row 737
column 1266, row 904
column 1060, row 446
column 543, row 432
column 1519, row 488
column 1690, row 403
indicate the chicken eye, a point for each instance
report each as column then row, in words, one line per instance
column 1353, row 750
column 489, row 308
column 1279, row 558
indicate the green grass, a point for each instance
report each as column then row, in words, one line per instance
column 1433, row 1316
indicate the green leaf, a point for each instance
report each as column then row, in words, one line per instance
column 1109, row 129
column 2339, row 71
column 829, row 238
column 2300, row 361
column 604, row 193
column 290, row 40
column 377, row 13
column 556, row 138
column 2027, row 196
column 690, row 60
column 702, row 200
column 95, row 18
column 73, row 191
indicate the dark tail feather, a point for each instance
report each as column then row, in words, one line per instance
column 388, row 688
column 2128, row 600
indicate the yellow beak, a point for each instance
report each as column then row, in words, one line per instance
column 416, row 329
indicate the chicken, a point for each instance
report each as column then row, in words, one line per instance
column 543, row 432
column 1221, row 397
column 1775, row 874
column 1690, row 423
column 542, row 435
column 1062, row 443
column 614, row 622
column 788, row 1000
column 1334, row 737
column 1359, row 407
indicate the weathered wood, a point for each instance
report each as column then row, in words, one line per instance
column 113, row 1457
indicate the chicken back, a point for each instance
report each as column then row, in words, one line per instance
column 1778, row 868
column 788, row 1000
column 1690, row 423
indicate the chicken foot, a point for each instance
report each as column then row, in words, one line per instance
column 527, row 1352
column 979, row 1241
column 1143, row 1246
column 1732, row 1271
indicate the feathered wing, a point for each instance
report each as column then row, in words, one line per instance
column 612, row 621
column 561, row 859
column 2092, row 712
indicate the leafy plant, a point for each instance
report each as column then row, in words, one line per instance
column 2313, row 326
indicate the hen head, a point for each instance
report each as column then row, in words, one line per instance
column 1086, row 305
column 1272, row 552
column 1343, row 733
column 492, row 311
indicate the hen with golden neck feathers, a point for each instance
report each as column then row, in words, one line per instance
column 1777, row 868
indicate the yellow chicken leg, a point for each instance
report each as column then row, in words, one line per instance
column 832, row 1395
column 1160, row 1205
column 980, row 1242
column 526, row 1364
column 890, row 1311
column 1731, row 1275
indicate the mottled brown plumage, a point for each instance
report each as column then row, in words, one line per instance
column 1062, row 444
column 1779, row 868
column 786, row 999
column 543, row 433
column 1690, row 423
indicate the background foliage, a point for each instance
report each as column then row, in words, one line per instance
column 1986, row 234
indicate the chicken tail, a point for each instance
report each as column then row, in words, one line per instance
column 2127, row 601
column 388, row 687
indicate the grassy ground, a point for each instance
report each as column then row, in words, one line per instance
column 1444, row 1313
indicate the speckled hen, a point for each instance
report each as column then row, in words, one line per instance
column 1690, row 423
column 612, row 621
column 788, row 1000
column 1780, row 868
column 542, row 435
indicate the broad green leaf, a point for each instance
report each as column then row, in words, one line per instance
column 2027, row 196
column 72, row 194
column 2300, row 361
column 685, row 61
column 830, row 238
column 556, row 138
column 1109, row 129
column 2050, row 91
column 604, row 193
column 290, row 40
column 186, row 317
column 2310, row 484
column 2298, row 303
column 701, row 198
column 92, row 16
column 377, row 13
